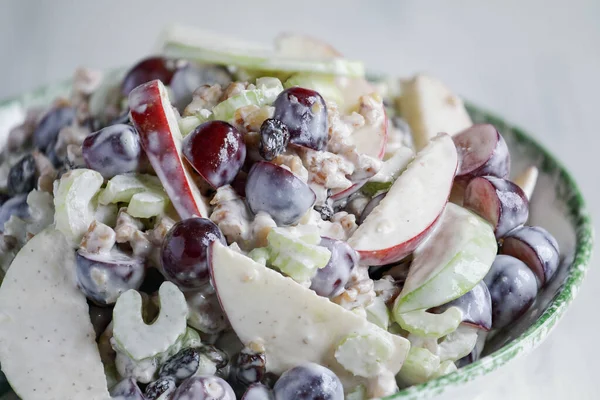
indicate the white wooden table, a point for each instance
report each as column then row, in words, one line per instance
column 535, row 62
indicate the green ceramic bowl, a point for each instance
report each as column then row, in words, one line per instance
column 556, row 205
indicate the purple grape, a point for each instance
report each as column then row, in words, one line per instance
column 482, row 151
column 161, row 388
column 113, row 150
column 258, row 391
column 127, row 389
column 476, row 306
column 184, row 252
column 249, row 366
column 16, row 206
column 216, row 150
column 536, row 247
column 309, row 381
column 513, row 288
column 189, row 76
column 274, row 138
column 499, row 201
column 22, row 177
column 304, row 113
column 46, row 132
column 147, row 70
column 204, row 388
column 278, row 192
column 331, row 280
column 103, row 277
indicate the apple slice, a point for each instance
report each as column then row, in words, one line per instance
column 450, row 263
column 527, row 181
column 403, row 219
column 155, row 121
column 430, row 107
column 294, row 324
column 47, row 341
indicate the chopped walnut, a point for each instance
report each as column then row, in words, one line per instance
column 126, row 226
column 232, row 216
column 233, row 89
column 75, row 156
column 386, row 289
column 140, row 245
column 261, row 226
column 72, row 134
column 294, row 164
column 327, row 169
column 204, row 97
column 359, row 292
column 161, row 227
column 47, row 172
column 341, row 226
column 99, row 238
column 250, row 118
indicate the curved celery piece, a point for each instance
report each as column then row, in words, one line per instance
column 148, row 204
column 267, row 90
column 427, row 324
column 458, row 344
column 378, row 313
column 139, row 340
column 364, row 355
column 122, row 187
column 294, row 256
column 73, row 206
column 445, row 368
column 419, row 367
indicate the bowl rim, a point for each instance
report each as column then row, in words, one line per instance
column 533, row 336
column 576, row 211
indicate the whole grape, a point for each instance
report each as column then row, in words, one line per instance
column 304, row 113
column 184, row 252
column 309, row 381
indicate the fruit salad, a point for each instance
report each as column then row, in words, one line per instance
column 226, row 221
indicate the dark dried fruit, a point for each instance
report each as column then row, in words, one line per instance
column 250, row 366
column 274, row 138
column 162, row 387
column 182, row 365
column 22, row 176
column 215, row 355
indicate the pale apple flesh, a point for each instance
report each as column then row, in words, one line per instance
column 156, row 123
column 47, row 341
column 430, row 107
column 294, row 324
column 403, row 219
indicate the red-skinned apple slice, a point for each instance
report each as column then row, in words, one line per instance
column 411, row 208
column 294, row 324
column 155, row 121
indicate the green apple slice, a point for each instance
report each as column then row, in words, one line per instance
column 294, row 324
column 456, row 256
column 47, row 346
column 74, row 208
column 430, row 107
column 191, row 43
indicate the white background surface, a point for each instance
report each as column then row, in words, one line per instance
column 537, row 63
